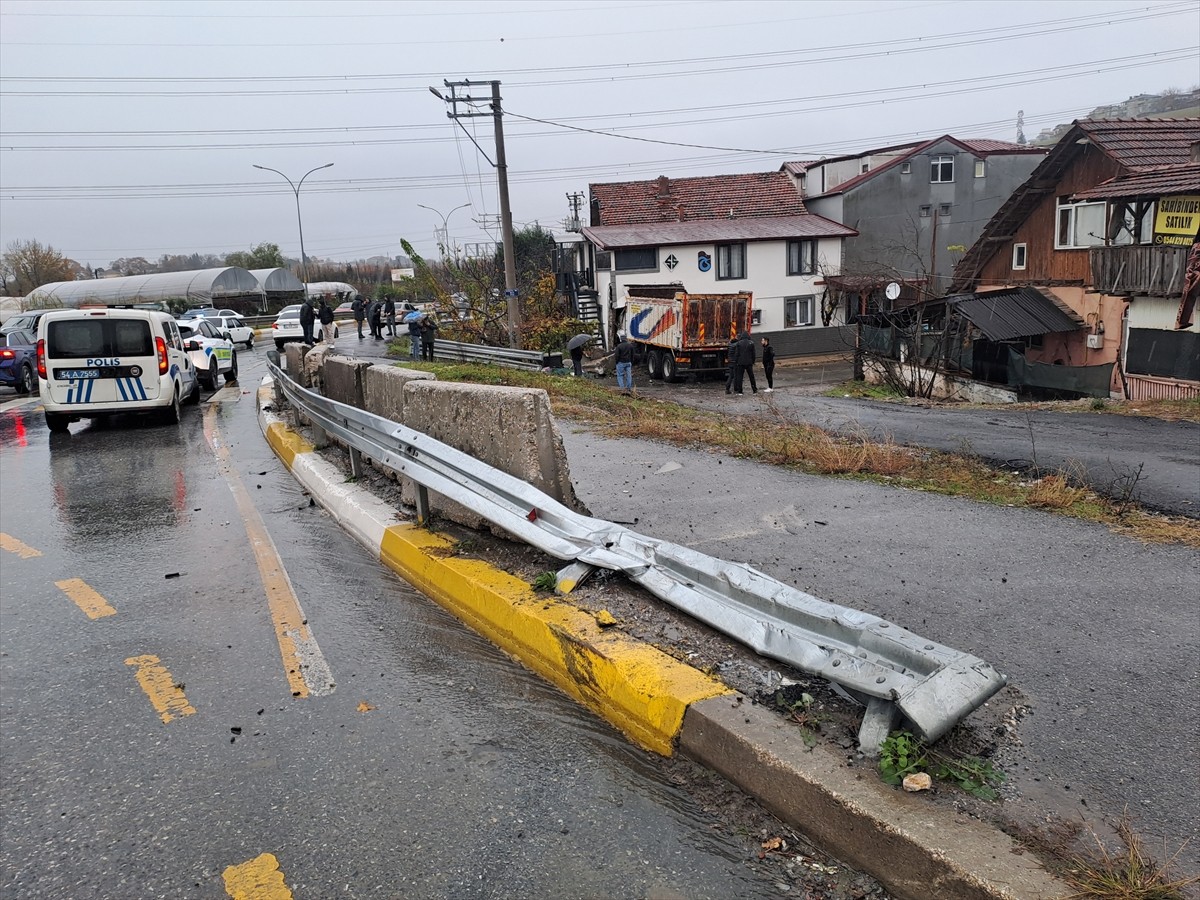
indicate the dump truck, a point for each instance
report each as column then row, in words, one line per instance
column 680, row 335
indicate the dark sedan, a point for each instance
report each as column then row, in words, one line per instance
column 18, row 361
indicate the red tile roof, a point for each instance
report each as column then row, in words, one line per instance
column 1142, row 143
column 755, row 195
column 1160, row 181
column 986, row 146
column 660, row 234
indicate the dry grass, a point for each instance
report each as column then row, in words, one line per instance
column 775, row 440
column 1126, row 874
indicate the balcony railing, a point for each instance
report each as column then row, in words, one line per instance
column 1146, row 269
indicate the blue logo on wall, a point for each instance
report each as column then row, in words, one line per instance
column 703, row 261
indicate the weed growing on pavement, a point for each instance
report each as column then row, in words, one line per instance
column 773, row 439
column 545, row 583
column 1127, row 874
column 805, row 712
column 903, row 754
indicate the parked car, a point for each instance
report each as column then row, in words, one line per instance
column 207, row 312
column 211, row 352
column 94, row 363
column 287, row 327
column 235, row 328
column 25, row 321
column 18, row 361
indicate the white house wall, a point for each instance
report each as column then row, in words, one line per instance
column 766, row 277
column 1156, row 312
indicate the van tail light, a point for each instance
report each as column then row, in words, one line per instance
column 161, row 346
column 41, row 358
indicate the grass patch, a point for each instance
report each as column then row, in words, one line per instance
column 807, row 448
column 1125, row 874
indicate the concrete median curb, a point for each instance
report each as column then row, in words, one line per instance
column 915, row 849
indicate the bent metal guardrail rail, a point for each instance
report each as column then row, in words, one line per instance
column 893, row 671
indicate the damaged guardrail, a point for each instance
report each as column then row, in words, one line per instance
column 892, row 670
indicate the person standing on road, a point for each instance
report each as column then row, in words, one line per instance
column 745, row 363
column 360, row 314
column 768, row 361
column 389, row 315
column 730, row 363
column 577, row 361
column 429, row 327
column 414, row 338
column 306, row 321
column 375, row 319
column 325, row 317
column 624, row 358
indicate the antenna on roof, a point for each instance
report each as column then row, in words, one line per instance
column 1021, row 128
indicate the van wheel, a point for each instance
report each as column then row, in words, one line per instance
column 231, row 375
column 26, row 384
column 213, row 376
column 170, row 415
column 194, row 397
column 57, row 423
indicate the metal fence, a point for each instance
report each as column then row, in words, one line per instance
column 892, row 670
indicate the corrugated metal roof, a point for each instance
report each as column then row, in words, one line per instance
column 660, row 200
column 1013, row 313
column 1144, row 143
column 1150, row 183
column 715, row 231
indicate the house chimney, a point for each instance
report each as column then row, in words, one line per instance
column 679, row 212
column 664, row 187
column 1195, row 152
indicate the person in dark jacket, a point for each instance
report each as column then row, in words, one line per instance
column 360, row 314
column 768, row 361
column 624, row 360
column 577, row 361
column 414, row 338
column 306, row 320
column 428, row 333
column 389, row 315
column 744, row 354
column 325, row 317
column 375, row 319
column 730, row 364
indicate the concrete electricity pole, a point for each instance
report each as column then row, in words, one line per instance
column 501, row 166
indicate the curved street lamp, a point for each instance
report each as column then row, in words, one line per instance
column 296, row 190
column 445, row 225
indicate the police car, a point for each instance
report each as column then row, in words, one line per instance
column 211, row 352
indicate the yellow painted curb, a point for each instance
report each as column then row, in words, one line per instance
column 286, row 443
column 637, row 688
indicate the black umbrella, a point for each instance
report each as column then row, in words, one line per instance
column 578, row 341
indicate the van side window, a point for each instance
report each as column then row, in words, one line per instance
column 171, row 333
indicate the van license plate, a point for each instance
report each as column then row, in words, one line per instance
column 76, row 373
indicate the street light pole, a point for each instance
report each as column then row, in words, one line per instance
column 445, row 225
column 299, row 222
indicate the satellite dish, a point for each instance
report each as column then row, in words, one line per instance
column 892, row 291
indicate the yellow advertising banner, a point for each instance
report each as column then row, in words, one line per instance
column 1177, row 220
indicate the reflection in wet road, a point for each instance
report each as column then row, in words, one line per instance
column 157, row 750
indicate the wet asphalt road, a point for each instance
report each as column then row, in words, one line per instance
column 435, row 767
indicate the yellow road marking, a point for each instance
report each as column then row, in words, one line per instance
column 307, row 671
column 258, row 879
column 168, row 697
column 86, row 598
column 12, row 545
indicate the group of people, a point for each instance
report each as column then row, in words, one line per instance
column 310, row 316
column 377, row 314
column 741, row 358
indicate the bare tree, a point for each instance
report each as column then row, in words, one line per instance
column 29, row 264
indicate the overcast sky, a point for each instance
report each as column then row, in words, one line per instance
column 131, row 128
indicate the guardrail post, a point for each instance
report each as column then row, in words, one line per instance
column 570, row 577
column 877, row 724
column 422, row 504
column 356, row 464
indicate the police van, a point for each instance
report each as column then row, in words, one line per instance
column 112, row 361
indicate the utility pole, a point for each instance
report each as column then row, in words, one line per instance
column 575, row 199
column 501, row 165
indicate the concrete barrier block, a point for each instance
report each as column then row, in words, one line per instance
column 343, row 379
column 293, row 362
column 383, row 390
column 508, row 428
column 314, row 362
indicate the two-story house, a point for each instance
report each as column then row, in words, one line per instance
column 1103, row 226
column 721, row 234
column 916, row 208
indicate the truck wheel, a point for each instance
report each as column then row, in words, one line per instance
column 670, row 371
column 654, row 364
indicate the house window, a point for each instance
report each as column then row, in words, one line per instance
column 756, row 317
column 944, row 209
column 980, row 168
column 797, row 311
column 801, row 260
column 906, row 168
column 866, row 167
column 641, row 258
column 604, row 260
column 1020, row 255
column 731, row 261
column 1127, row 225
column 926, row 212
column 1080, row 224
column 941, row 169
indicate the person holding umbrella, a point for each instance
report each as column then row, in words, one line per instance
column 575, row 346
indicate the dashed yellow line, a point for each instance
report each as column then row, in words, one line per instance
column 166, row 696
column 86, row 598
column 258, row 879
column 21, row 549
